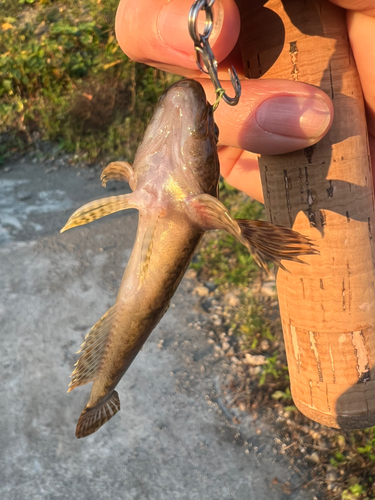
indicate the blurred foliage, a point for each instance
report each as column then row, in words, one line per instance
column 353, row 456
column 64, row 77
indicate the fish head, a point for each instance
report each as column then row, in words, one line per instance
column 187, row 100
column 180, row 142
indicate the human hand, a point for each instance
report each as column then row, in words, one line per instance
column 361, row 30
column 269, row 119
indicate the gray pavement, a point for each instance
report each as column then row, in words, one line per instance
column 173, row 438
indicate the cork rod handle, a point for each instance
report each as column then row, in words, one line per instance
column 325, row 192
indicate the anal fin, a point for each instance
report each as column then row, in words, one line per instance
column 92, row 419
column 93, row 349
column 100, row 208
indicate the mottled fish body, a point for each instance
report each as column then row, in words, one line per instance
column 174, row 180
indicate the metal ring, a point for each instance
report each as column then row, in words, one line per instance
column 204, row 52
column 193, row 20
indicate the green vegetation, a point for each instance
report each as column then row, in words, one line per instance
column 227, row 263
column 63, row 78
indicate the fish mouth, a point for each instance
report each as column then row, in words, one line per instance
column 186, row 84
column 188, row 95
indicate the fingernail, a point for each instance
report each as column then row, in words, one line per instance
column 172, row 25
column 298, row 117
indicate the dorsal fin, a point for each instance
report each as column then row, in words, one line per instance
column 93, row 348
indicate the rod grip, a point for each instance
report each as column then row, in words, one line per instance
column 325, row 192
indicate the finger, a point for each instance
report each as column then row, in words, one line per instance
column 241, row 170
column 361, row 29
column 364, row 6
column 155, row 32
column 273, row 117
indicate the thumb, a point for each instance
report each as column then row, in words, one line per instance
column 273, row 117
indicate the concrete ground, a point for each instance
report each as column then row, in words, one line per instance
column 173, row 438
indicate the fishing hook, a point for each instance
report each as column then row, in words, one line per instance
column 204, row 52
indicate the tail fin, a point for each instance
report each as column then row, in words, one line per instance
column 275, row 243
column 92, row 419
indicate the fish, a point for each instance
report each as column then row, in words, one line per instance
column 174, row 181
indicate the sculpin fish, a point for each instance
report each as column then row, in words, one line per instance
column 174, row 180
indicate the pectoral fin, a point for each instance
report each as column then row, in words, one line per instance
column 210, row 213
column 118, row 171
column 100, row 208
column 276, row 243
column 264, row 240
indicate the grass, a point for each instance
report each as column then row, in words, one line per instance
column 63, row 78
